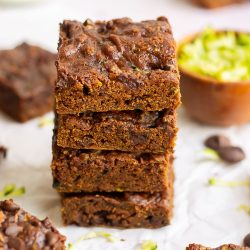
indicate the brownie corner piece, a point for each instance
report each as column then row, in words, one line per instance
column 20, row 230
column 116, row 65
column 27, row 77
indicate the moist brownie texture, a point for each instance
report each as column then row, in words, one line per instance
column 136, row 131
column 223, row 247
column 125, row 209
column 110, row 171
column 116, row 65
column 20, row 231
column 211, row 4
column 27, row 76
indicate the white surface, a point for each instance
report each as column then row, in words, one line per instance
column 203, row 214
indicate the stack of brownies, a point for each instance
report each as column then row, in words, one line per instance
column 116, row 97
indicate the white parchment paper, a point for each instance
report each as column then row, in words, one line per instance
column 202, row 214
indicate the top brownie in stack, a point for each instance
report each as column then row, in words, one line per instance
column 116, row 65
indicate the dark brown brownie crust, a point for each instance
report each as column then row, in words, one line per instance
column 27, row 77
column 211, row 4
column 116, row 65
column 20, row 230
column 223, row 247
column 109, row 171
column 133, row 131
column 122, row 210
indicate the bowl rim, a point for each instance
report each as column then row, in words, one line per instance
column 207, row 79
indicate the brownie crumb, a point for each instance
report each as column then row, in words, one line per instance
column 3, row 152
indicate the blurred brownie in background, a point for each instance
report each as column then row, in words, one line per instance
column 211, row 4
column 27, row 76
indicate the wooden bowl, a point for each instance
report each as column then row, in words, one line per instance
column 212, row 101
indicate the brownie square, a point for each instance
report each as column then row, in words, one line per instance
column 116, row 65
column 27, row 76
column 133, row 131
column 122, row 210
column 109, row 171
column 20, row 230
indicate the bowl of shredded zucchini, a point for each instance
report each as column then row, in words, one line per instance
column 215, row 76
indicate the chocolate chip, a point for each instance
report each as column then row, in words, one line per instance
column 51, row 238
column 217, row 141
column 246, row 241
column 34, row 222
column 9, row 206
column 86, row 90
column 16, row 243
column 231, row 154
column 56, row 184
column 166, row 67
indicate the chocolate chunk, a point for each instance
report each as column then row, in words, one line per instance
column 51, row 238
column 217, row 141
column 9, row 206
column 3, row 152
column 246, row 240
column 231, row 154
column 35, row 222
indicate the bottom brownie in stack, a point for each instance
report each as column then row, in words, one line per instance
column 125, row 209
